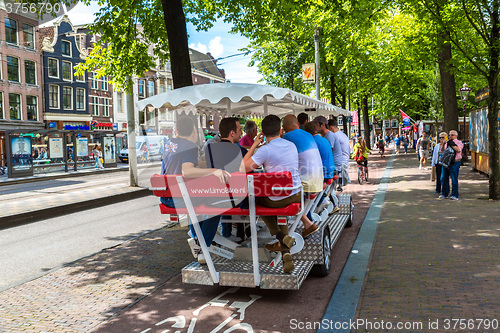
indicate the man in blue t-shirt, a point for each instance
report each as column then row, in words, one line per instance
column 181, row 158
column 342, row 151
column 310, row 165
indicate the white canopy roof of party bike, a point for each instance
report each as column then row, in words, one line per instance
column 241, row 98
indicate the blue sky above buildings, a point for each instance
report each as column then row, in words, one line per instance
column 217, row 41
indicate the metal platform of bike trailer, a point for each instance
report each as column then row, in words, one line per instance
column 240, row 274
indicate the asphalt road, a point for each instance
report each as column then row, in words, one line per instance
column 31, row 250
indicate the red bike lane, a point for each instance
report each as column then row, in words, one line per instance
column 178, row 307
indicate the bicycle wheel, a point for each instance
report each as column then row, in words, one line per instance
column 360, row 176
column 366, row 173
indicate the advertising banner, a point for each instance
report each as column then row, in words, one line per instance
column 309, row 73
column 109, row 147
column 21, row 154
column 82, row 145
column 56, row 148
column 355, row 118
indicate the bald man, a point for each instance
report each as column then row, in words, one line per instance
column 310, row 164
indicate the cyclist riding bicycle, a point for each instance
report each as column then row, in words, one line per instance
column 381, row 145
column 360, row 152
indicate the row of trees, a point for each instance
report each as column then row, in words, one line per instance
column 411, row 54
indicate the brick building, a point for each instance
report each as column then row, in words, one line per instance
column 20, row 75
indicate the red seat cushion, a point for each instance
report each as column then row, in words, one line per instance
column 330, row 181
column 289, row 210
column 335, row 177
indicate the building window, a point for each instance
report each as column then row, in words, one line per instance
column 1, row 105
column 93, row 80
column 104, row 83
column 169, row 85
column 80, row 98
column 29, row 36
column 161, row 86
column 105, row 107
column 151, row 88
column 31, row 102
column 15, row 106
column 66, row 48
column 80, row 77
column 394, row 124
column 67, row 97
column 141, row 88
column 67, row 72
column 12, row 69
column 168, row 67
column 30, row 71
column 53, row 67
column 53, row 96
column 94, row 105
column 10, row 30
column 119, row 102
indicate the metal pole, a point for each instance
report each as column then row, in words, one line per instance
column 132, row 155
column 463, row 136
column 316, row 60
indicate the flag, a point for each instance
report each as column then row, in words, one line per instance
column 355, row 118
column 406, row 118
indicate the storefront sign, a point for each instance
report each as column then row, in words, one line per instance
column 110, row 125
column 56, row 148
column 82, row 147
column 52, row 124
column 115, row 127
column 76, row 128
column 124, row 125
column 482, row 94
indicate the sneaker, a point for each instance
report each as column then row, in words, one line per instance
column 288, row 265
column 201, row 258
column 420, row 167
column 234, row 238
column 309, row 231
column 437, row 193
column 453, row 198
column 195, row 247
column 288, row 242
column 323, row 205
column 441, row 197
column 274, row 247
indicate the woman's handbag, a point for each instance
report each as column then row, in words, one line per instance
column 433, row 174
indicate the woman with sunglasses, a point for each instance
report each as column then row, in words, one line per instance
column 436, row 154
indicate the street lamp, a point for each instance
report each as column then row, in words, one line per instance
column 464, row 95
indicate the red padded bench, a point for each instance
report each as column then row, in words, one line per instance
column 279, row 184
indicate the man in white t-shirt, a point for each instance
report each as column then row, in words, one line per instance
column 341, row 151
column 273, row 159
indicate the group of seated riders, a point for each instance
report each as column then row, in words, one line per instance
column 282, row 146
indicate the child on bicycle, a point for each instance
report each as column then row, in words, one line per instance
column 360, row 152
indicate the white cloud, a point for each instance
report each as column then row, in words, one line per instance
column 199, row 47
column 215, row 47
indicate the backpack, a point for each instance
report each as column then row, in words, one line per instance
column 448, row 157
column 359, row 156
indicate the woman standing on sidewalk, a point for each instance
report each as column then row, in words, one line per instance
column 436, row 154
column 98, row 157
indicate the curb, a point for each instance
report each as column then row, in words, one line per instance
column 50, row 212
column 44, row 177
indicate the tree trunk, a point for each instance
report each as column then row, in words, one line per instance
column 175, row 23
column 366, row 121
column 493, row 153
column 333, row 93
column 450, row 108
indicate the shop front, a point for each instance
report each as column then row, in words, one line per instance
column 52, row 150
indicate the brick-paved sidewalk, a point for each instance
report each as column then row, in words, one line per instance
column 433, row 259
column 82, row 295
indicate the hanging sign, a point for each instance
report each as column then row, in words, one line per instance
column 309, row 73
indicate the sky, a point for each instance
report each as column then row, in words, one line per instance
column 217, row 41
